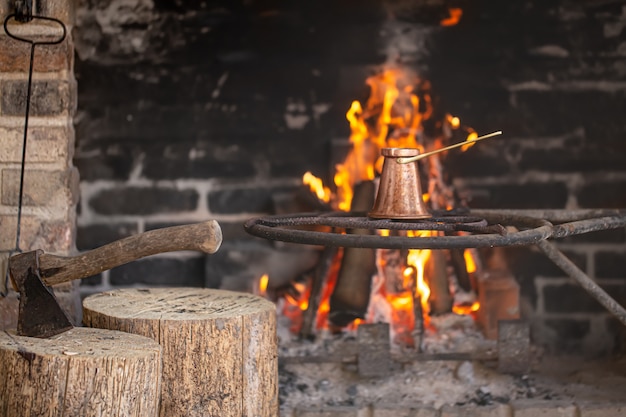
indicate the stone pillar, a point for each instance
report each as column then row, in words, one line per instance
column 51, row 181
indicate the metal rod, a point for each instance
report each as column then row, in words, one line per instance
column 447, row 148
column 588, row 285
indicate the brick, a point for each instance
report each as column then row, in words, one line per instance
column 244, row 200
column 36, row 233
column 96, row 235
column 474, row 163
column 518, row 196
column 143, row 201
column 603, row 236
column 41, row 187
column 610, row 264
column 569, row 298
column 532, row 408
column 572, row 160
column 602, row 410
column 43, row 144
column 160, row 271
column 59, row 9
column 570, row 333
column 528, row 262
column 404, row 410
column 603, row 195
column 553, row 112
column 8, row 311
column 104, row 166
column 495, row 410
column 16, row 55
column 162, row 168
column 330, row 411
column 48, row 98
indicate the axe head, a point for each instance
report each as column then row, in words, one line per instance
column 40, row 314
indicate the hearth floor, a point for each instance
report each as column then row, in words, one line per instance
column 441, row 383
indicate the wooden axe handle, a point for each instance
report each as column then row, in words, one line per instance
column 205, row 237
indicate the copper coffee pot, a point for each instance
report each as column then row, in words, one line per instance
column 400, row 193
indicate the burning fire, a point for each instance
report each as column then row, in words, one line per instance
column 393, row 116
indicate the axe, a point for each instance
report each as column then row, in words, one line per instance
column 40, row 314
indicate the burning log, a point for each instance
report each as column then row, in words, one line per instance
column 441, row 300
column 352, row 291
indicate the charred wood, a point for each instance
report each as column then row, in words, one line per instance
column 352, row 291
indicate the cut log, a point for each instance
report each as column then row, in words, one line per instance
column 82, row 372
column 219, row 347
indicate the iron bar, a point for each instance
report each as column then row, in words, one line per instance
column 285, row 228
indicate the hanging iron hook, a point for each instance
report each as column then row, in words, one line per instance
column 31, row 18
column 22, row 6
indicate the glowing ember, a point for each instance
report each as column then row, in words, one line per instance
column 454, row 18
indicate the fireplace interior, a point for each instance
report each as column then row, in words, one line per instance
column 206, row 109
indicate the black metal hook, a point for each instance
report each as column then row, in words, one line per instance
column 31, row 18
column 19, row 17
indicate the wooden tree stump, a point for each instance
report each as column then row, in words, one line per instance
column 80, row 373
column 219, row 347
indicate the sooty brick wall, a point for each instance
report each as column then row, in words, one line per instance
column 195, row 110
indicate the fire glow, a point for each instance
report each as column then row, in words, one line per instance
column 393, row 116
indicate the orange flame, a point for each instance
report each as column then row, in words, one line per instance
column 317, row 186
column 263, row 282
column 466, row 309
column 392, row 116
column 469, row 261
column 417, row 258
column 454, row 17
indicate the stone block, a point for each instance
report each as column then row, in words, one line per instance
column 538, row 408
column 602, row 410
column 513, row 346
column 43, row 144
column 48, row 98
column 404, row 410
column 495, row 410
column 143, row 200
column 42, row 188
column 330, row 411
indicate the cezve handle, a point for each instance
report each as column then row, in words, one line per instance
column 205, row 237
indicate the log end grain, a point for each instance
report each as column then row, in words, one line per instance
column 81, row 372
column 219, row 347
